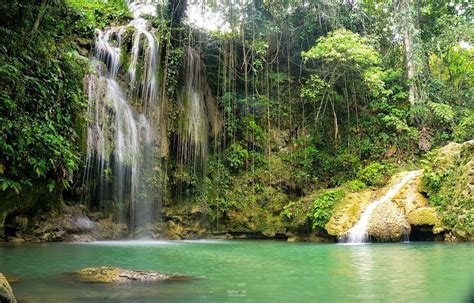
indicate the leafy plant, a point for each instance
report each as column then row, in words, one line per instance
column 237, row 156
column 372, row 174
column 323, row 206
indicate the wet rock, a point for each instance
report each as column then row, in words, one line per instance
column 68, row 223
column 452, row 170
column 118, row 275
column 12, row 279
column 183, row 222
column 388, row 223
column 6, row 292
column 222, row 236
column 110, row 230
column 310, row 237
column 347, row 213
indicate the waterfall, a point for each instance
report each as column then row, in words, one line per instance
column 127, row 120
column 194, row 126
column 123, row 122
column 358, row 233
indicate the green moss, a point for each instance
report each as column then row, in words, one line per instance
column 425, row 216
column 447, row 181
column 324, row 204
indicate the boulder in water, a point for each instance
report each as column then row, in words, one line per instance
column 6, row 292
column 388, row 223
column 107, row 274
column 348, row 211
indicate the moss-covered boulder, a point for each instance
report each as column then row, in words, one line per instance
column 348, row 211
column 30, row 200
column 107, row 274
column 388, row 223
column 6, row 292
column 426, row 216
column 108, row 229
column 448, row 182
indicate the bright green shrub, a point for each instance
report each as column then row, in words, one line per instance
column 372, row 174
column 324, row 205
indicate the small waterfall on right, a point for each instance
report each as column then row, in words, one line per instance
column 358, row 233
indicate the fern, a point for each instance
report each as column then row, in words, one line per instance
column 443, row 112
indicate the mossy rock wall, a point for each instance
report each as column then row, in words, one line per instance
column 449, row 184
column 29, row 201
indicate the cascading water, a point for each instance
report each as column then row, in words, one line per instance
column 127, row 125
column 358, row 233
column 122, row 139
column 194, row 128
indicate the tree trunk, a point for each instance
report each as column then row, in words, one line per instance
column 410, row 66
column 42, row 10
column 408, row 24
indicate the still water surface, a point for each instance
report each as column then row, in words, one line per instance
column 247, row 271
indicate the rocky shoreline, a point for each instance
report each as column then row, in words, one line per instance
column 409, row 212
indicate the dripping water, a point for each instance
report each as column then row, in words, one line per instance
column 193, row 135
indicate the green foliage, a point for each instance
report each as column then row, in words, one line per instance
column 175, row 59
column 463, row 130
column 42, row 97
column 372, row 174
column 92, row 14
column 345, row 48
column 443, row 112
column 356, row 185
column 446, row 182
column 237, row 156
column 324, row 205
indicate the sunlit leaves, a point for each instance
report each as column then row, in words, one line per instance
column 344, row 48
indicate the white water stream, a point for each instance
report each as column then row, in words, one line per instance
column 358, row 233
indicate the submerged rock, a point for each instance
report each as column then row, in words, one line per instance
column 6, row 292
column 107, row 274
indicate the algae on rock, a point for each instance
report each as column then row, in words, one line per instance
column 449, row 184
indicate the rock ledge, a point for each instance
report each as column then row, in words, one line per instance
column 105, row 274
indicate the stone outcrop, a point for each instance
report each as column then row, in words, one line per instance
column 425, row 216
column 392, row 219
column 449, row 185
column 6, row 292
column 67, row 224
column 119, row 275
column 388, row 223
